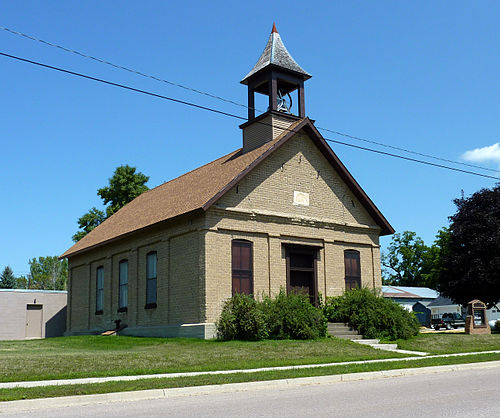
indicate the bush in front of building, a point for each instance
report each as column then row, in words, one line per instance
column 292, row 316
column 241, row 319
column 282, row 317
column 372, row 315
column 497, row 326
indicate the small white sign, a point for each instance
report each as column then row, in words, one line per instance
column 300, row 198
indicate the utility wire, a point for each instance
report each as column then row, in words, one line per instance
column 357, row 138
column 236, row 116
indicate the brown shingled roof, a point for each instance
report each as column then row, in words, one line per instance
column 200, row 188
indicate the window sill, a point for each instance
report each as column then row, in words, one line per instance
column 98, row 312
column 150, row 306
column 125, row 309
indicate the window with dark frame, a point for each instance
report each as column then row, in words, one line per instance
column 123, row 286
column 242, row 267
column 352, row 270
column 99, row 290
column 151, row 282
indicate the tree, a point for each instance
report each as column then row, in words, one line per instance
column 406, row 260
column 433, row 259
column 48, row 273
column 88, row 222
column 471, row 264
column 7, row 279
column 124, row 186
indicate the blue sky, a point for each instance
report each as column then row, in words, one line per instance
column 417, row 75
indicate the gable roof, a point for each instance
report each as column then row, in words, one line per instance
column 200, row 188
column 442, row 301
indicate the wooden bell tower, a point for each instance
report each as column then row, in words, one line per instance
column 275, row 75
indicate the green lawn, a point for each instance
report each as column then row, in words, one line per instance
column 163, row 383
column 92, row 356
column 443, row 343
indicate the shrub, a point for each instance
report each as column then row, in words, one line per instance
column 497, row 326
column 372, row 315
column 241, row 319
column 293, row 317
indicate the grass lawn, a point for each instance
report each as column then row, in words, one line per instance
column 443, row 343
column 95, row 356
column 162, row 383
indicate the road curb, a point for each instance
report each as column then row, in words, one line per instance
column 151, row 394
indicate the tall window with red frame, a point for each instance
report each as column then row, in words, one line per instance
column 352, row 269
column 242, row 266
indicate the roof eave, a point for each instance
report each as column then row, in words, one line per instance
column 70, row 253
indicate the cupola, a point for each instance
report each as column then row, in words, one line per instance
column 275, row 75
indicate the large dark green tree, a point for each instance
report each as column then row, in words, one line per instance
column 471, row 265
column 48, row 273
column 7, row 279
column 124, row 186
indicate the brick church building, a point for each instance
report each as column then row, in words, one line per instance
column 280, row 212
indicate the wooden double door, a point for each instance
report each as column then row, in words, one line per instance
column 301, row 271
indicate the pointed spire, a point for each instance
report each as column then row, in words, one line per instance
column 276, row 54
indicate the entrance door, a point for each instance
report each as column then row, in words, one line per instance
column 34, row 315
column 301, row 271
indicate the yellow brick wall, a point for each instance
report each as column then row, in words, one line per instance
column 179, row 286
column 298, row 166
column 264, row 130
column 262, row 211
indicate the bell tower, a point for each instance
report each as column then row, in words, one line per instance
column 275, row 75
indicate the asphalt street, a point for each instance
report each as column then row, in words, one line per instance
column 459, row 394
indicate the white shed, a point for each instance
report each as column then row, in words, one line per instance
column 27, row 314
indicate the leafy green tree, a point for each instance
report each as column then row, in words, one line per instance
column 406, row 260
column 7, row 279
column 471, row 263
column 124, row 186
column 21, row 282
column 433, row 258
column 48, row 273
column 88, row 222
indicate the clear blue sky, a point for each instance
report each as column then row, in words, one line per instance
column 418, row 75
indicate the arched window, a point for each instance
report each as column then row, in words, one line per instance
column 151, row 262
column 123, row 286
column 352, row 269
column 242, row 266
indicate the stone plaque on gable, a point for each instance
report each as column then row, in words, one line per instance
column 300, row 198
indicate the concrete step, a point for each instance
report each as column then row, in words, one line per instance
column 368, row 342
column 385, row 346
column 335, row 325
column 348, row 336
column 343, row 331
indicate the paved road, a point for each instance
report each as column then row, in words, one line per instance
column 457, row 394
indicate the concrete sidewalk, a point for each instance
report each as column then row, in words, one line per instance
column 88, row 380
column 71, row 401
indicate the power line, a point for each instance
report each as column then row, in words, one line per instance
column 357, row 138
column 236, row 116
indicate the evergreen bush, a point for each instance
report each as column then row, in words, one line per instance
column 241, row 319
column 293, row 317
column 372, row 315
column 283, row 317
